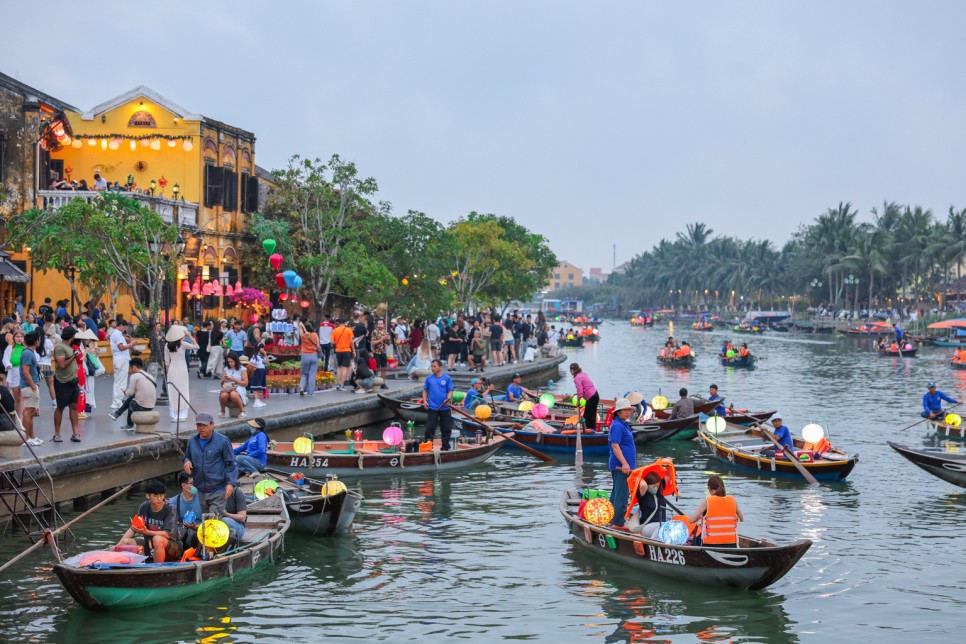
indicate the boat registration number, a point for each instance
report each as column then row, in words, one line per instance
column 305, row 461
column 665, row 555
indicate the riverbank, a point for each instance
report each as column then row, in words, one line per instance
column 108, row 457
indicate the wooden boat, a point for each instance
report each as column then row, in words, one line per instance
column 345, row 458
column 750, row 328
column 741, row 447
column 557, row 415
column 701, row 406
column 957, row 432
column 868, row 331
column 950, row 467
column 905, row 353
column 958, row 364
column 747, row 361
column 753, row 565
column 653, row 430
column 412, row 408
column 311, row 509
column 702, row 326
column 748, row 418
column 682, row 362
column 649, row 321
column 572, row 340
column 101, row 587
column 593, row 443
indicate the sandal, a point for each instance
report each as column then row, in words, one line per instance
column 57, row 439
column 75, row 438
column 221, row 414
column 243, row 415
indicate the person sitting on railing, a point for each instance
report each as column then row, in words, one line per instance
column 141, row 393
column 252, row 455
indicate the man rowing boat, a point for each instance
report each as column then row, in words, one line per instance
column 932, row 402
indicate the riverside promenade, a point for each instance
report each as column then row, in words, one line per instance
column 108, row 457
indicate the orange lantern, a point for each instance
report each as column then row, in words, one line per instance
column 599, row 511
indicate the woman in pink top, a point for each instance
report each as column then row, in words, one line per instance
column 587, row 391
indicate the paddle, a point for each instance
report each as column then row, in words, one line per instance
column 941, row 415
column 791, row 458
column 543, row 457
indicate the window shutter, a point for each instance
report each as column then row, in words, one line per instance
column 251, row 201
column 214, row 186
column 230, row 200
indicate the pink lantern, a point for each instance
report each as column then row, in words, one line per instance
column 253, row 318
column 392, row 435
column 238, row 286
column 206, row 289
column 282, row 297
column 185, row 287
column 280, row 280
column 196, row 291
column 276, row 261
column 305, row 304
column 228, row 291
column 539, row 411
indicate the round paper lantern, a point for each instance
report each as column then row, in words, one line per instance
column 229, row 291
column 331, row 488
column 392, row 435
column 269, row 246
column 137, row 522
column 289, row 276
column 302, row 445
column 730, row 353
column 458, row 396
column 483, row 411
column 539, row 411
column 673, row 533
column 658, row 402
column 953, row 420
column 574, row 401
column 525, row 405
column 297, row 281
column 548, row 400
column 405, row 282
column 599, row 511
column 265, row 488
column 280, row 280
column 213, row 533
column 187, row 145
column 716, row 424
column 275, row 260
column 812, row 433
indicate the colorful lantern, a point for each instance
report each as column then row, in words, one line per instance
column 280, row 280
column 813, row 432
column 275, row 261
column 137, row 522
column 303, row 445
column 483, row 411
column 458, row 396
column 238, row 286
column 392, row 435
column 548, row 400
column 229, row 292
column 283, row 297
column 525, row 405
column 599, row 511
column 953, row 420
column 265, row 488
column 253, row 318
column 716, row 424
column 539, row 411
column 305, row 304
column 213, row 533
column 297, row 281
column 405, row 282
column 331, row 488
column 185, row 287
column 269, row 246
column 290, row 276
column 658, row 402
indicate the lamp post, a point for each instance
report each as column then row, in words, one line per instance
column 154, row 184
column 176, row 190
column 72, row 270
column 853, row 281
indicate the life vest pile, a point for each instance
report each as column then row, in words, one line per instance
column 663, row 467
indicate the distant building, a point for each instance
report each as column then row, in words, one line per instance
column 565, row 275
column 597, row 276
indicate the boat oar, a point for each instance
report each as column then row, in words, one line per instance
column 791, row 458
column 526, row 448
column 53, row 534
column 942, row 415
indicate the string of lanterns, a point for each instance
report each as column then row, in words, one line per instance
column 113, row 141
column 286, row 280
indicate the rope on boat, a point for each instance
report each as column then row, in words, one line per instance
column 402, row 459
column 361, row 466
column 436, row 457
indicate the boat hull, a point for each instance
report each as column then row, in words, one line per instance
column 948, row 467
column 948, row 431
column 728, row 448
column 311, row 511
column 753, row 566
column 911, row 353
column 685, row 362
column 745, row 362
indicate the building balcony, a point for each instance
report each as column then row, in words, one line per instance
column 183, row 213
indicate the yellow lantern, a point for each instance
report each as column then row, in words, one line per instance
column 525, row 405
column 483, row 412
column 599, row 511
column 658, row 402
column 332, row 488
column 405, row 282
column 303, row 445
column 953, row 420
column 213, row 533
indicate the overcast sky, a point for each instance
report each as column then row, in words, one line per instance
column 592, row 123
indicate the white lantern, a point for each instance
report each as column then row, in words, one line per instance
column 813, row 433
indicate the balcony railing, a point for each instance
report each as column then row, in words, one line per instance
column 184, row 213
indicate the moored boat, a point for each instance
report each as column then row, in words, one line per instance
column 102, row 586
column 747, row 417
column 950, row 467
column 551, row 440
column 313, row 507
column 655, row 429
column 957, row 364
column 412, row 408
column 745, row 327
column 345, row 458
column 875, row 330
column 956, row 432
column 742, row 447
column 753, row 565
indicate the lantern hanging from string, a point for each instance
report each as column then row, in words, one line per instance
column 305, row 304
column 269, row 246
column 238, row 286
column 275, row 260
column 229, row 292
column 185, row 287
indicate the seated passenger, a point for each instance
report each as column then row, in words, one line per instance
column 160, row 526
column 720, row 515
column 235, row 515
column 515, row 391
column 651, row 508
column 187, row 508
column 475, row 394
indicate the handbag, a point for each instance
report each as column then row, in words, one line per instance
column 228, row 387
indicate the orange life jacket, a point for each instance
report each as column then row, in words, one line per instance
column 682, row 352
column 743, row 353
column 894, row 348
column 721, row 520
column 821, row 446
column 663, row 467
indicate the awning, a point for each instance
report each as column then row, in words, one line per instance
column 959, row 323
column 10, row 272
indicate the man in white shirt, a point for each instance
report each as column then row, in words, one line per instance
column 121, row 344
column 99, row 182
column 432, row 334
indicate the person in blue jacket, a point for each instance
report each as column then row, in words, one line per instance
column 209, row 459
column 252, row 455
column 932, row 402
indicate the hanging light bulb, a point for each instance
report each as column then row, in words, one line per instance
column 171, row 143
column 145, row 142
column 134, row 145
column 91, row 142
column 187, row 145
column 114, row 144
column 76, row 143
column 156, row 144
column 103, row 144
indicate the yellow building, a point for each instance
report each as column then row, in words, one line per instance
column 566, row 275
column 192, row 170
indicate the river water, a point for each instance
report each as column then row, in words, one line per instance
column 483, row 554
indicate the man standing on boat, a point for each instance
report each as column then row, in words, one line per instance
column 437, row 396
column 932, row 402
column 623, row 458
column 209, row 459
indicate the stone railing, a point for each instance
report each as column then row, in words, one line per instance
column 184, row 213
